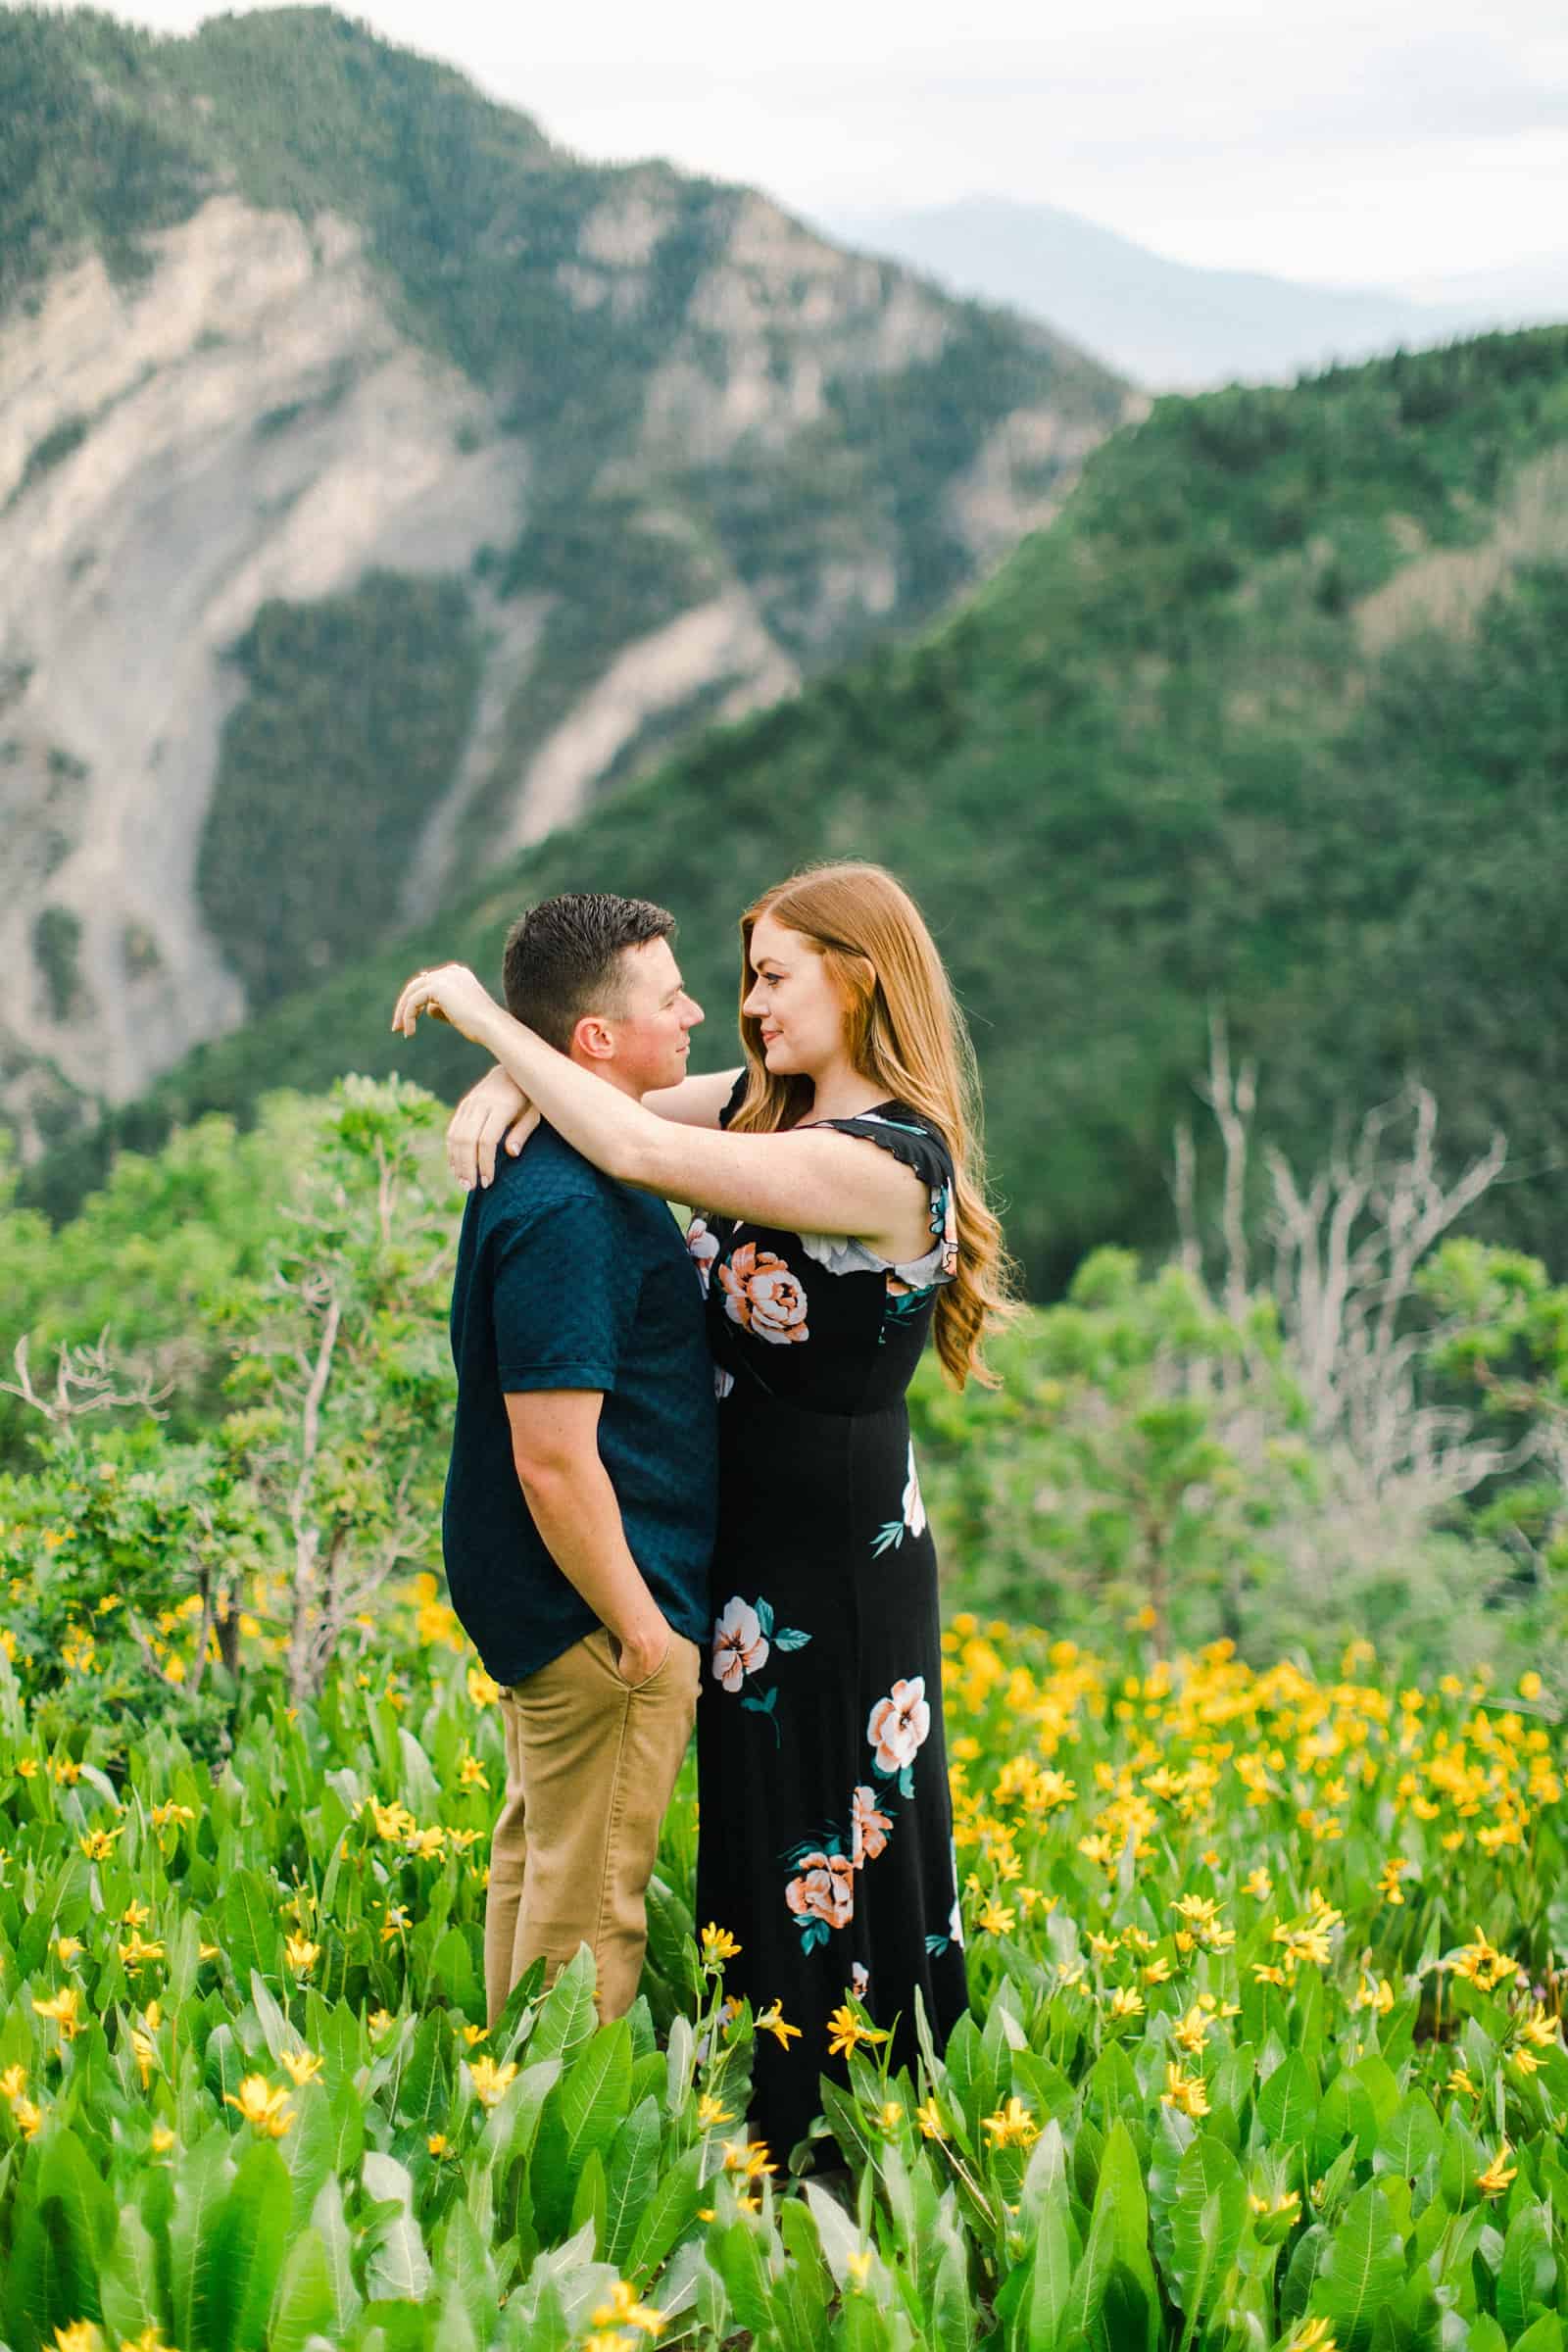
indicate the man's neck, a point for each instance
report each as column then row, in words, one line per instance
column 607, row 1071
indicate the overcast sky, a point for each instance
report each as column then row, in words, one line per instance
column 1348, row 141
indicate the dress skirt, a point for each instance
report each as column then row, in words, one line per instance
column 825, row 1833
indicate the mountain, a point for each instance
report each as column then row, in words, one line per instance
column 1272, row 719
column 378, row 481
column 1175, row 327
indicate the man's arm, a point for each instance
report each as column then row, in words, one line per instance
column 555, row 1448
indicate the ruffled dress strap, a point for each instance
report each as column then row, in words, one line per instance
column 923, row 1149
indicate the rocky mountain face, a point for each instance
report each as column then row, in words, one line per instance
column 379, row 484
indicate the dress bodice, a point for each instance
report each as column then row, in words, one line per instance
column 818, row 1321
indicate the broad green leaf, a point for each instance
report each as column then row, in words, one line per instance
column 398, row 2265
column 247, row 2237
column 588, row 2201
column 670, row 2215
column 201, row 2185
column 127, row 2279
column 1541, row 2336
column 306, row 2304
column 464, row 2268
column 1206, row 2221
column 569, row 2016
column 1364, row 2264
column 1120, row 2195
column 328, row 2220
column 631, row 2173
column 250, row 1921
column 595, row 2092
column 1411, row 2139
column 1288, row 2103
column 1050, row 2281
column 1527, row 2278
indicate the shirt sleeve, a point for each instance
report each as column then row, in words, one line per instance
column 564, row 1293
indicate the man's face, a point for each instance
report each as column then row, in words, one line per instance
column 653, row 1023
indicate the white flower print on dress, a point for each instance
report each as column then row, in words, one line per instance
column 723, row 1382
column 859, row 1978
column 892, row 1533
column 740, row 1647
column 703, row 1247
column 913, row 1500
column 899, row 1725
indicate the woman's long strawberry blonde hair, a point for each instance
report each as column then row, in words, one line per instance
column 907, row 1036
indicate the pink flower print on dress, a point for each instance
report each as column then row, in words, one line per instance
column 740, row 1647
column 869, row 1827
column 823, row 1888
column 859, row 1978
column 762, row 1296
column 899, row 1725
column 704, row 1248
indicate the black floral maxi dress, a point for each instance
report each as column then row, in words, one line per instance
column 825, row 1837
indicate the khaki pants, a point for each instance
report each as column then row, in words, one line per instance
column 591, row 1761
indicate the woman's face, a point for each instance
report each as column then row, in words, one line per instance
column 794, row 1002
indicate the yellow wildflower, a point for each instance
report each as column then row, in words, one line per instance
column 162, row 2139
column 263, row 2106
column 711, row 2111
column 771, row 2021
column 846, row 2032
column 301, row 1954
column 749, row 2158
column 300, row 2066
column 929, row 2118
column 1497, row 2174
column 63, row 2008
column 718, row 1945
column 1013, row 2126
column 490, row 2081
column 1126, row 2001
column 27, row 2117
column 1184, row 2090
column 624, row 2311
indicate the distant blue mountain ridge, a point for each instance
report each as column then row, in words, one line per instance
column 1175, row 327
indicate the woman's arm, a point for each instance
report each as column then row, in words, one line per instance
column 496, row 1111
column 697, row 1100
column 806, row 1181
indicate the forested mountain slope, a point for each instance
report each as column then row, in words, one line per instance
column 1274, row 718
column 377, row 479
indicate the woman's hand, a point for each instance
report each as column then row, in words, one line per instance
column 451, row 993
column 494, row 1111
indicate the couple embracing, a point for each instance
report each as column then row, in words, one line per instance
column 682, row 1485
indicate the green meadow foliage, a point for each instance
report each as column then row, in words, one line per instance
column 1265, row 1927
column 1265, row 2046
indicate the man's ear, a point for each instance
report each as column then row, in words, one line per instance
column 593, row 1039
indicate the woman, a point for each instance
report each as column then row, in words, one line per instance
column 845, row 1218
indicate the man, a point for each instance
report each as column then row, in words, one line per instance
column 580, row 1501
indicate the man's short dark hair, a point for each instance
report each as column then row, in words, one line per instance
column 563, row 957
